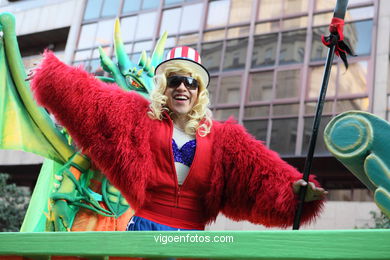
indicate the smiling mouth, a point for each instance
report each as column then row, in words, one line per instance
column 181, row 98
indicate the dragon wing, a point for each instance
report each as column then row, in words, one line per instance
column 23, row 124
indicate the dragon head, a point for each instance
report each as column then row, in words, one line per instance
column 137, row 77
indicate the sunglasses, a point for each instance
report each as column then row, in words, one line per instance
column 189, row 82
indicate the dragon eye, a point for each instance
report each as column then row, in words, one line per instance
column 132, row 82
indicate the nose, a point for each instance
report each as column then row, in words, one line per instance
column 181, row 87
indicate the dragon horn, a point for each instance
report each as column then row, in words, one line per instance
column 124, row 62
column 147, row 65
column 143, row 59
column 158, row 52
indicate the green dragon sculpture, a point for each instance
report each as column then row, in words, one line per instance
column 64, row 183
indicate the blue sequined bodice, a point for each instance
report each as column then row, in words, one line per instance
column 186, row 154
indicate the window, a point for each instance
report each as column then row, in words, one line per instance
column 315, row 81
column 235, row 54
column 295, row 6
column 191, row 16
column 87, row 36
column 218, row 13
column 170, row 21
column 258, row 128
column 260, row 86
column 293, row 43
column 269, row 9
column 240, row 11
column 283, row 137
column 288, row 84
column 264, row 50
column 92, row 11
column 229, row 91
column 131, row 6
column 307, row 132
column 211, row 55
column 145, row 25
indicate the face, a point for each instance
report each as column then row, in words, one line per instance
column 181, row 92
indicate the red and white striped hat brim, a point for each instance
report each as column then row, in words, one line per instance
column 190, row 57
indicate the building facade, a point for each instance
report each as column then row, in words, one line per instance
column 266, row 63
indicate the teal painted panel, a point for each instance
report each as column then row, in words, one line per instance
column 361, row 141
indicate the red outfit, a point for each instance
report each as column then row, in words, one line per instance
column 231, row 173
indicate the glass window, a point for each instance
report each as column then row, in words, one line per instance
column 325, row 4
column 320, row 148
column 293, row 23
column 96, row 53
column 354, row 80
column 288, row 83
column 285, row 110
column 260, row 86
column 142, row 46
column 87, row 36
column 214, row 35
column 267, row 27
column 92, row 11
column 170, row 43
column 229, row 91
column 212, row 89
column 110, row 8
column 224, row 114
column 129, row 48
column 359, row 13
column 295, row 6
column 318, row 50
column 236, row 32
column 321, row 19
column 310, row 108
column 82, row 55
column 95, row 67
column 170, row 21
column 352, row 104
column 211, row 55
column 150, row 4
column 257, row 128
column 284, row 135
column 170, row 2
column 358, row 35
column 264, row 50
column 190, row 20
column 240, row 11
column 269, row 9
column 218, row 13
column 128, row 27
column 315, row 81
column 235, row 54
column 131, row 6
column 145, row 25
column 257, row 111
column 104, row 32
column 188, row 39
column 292, row 49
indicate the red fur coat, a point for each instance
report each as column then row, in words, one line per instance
column 247, row 180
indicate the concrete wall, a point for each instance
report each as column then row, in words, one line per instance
column 44, row 16
column 382, row 68
column 335, row 215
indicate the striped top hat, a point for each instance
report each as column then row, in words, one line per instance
column 190, row 58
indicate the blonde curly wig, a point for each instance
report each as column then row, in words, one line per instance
column 199, row 118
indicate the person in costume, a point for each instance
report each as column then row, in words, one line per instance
column 176, row 166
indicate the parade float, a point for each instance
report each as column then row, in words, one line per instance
column 70, row 195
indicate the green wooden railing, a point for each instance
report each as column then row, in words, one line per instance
column 304, row 244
